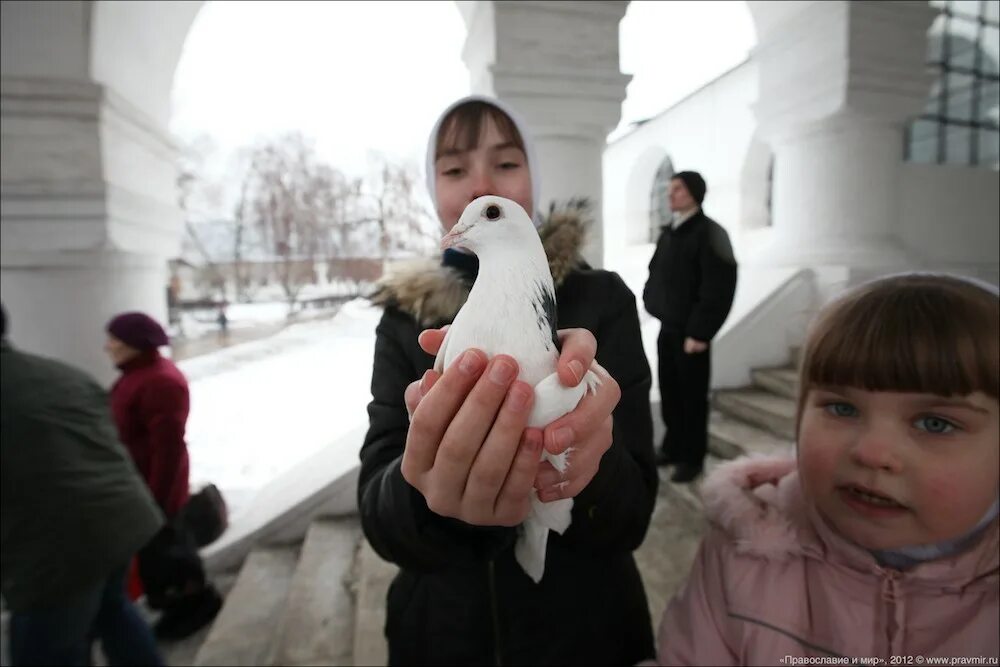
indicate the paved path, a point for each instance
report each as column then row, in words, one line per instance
column 670, row 546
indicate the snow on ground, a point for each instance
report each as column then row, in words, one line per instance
column 260, row 407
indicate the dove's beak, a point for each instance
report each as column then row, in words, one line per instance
column 453, row 238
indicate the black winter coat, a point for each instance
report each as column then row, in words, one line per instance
column 692, row 278
column 461, row 598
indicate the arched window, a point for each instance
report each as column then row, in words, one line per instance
column 659, row 199
column 961, row 122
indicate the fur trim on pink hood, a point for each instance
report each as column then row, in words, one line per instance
column 755, row 520
column 771, row 580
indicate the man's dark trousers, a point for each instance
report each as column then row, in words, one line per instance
column 684, row 384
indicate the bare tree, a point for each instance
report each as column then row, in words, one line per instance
column 299, row 210
column 403, row 224
column 285, row 201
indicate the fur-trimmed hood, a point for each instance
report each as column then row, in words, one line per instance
column 758, row 501
column 748, row 499
column 433, row 293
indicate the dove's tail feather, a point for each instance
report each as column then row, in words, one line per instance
column 534, row 534
column 529, row 550
column 552, row 400
column 555, row 515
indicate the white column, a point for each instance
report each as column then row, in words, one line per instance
column 557, row 64
column 89, row 208
column 838, row 82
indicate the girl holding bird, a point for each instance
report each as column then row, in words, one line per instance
column 449, row 468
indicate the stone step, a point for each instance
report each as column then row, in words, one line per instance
column 317, row 627
column 730, row 438
column 372, row 578
column 781, row 381
column 759, row 408
column 244, row 631
column 675, row 530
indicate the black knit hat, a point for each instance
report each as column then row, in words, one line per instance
column 694, row 183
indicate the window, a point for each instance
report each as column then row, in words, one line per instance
column 961, row 122
column 659, row 199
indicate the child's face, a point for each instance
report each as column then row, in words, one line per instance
column 495, row 167
column 891, row 470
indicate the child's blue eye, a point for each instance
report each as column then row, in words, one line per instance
column 840, row 409
column 454, row 171
column 509, row 165
column 935, row 425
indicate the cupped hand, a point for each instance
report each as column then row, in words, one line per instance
column 467, row 449
column 585, row 433
column 587, row 428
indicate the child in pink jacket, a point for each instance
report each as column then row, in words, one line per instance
column 881, row 539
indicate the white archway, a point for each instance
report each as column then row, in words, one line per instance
column 135, row 48
column 90, row 205
column 638, row 187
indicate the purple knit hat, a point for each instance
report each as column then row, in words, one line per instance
column 138, row 330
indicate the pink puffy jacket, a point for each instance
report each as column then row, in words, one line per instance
column 772, row 583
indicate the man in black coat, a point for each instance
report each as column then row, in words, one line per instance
column 692, row 280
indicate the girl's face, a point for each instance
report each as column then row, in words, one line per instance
column 891, row 470
column 495, row 167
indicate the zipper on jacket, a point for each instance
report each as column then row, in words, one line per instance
column 497, row 655
column 889, row 596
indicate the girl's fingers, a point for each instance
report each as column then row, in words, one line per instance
column 470, row 426
column 435, row 412
column 579, row 347
column 514, row 501
column 430, row 339
column 493, row 461
column 586, row 417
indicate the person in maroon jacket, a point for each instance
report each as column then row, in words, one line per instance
column 150, row 403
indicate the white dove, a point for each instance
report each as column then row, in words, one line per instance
column 512, row 310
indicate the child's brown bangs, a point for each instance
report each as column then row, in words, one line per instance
column 462, row 128
column 924, row 334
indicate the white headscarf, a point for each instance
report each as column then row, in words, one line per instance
column 529, row 148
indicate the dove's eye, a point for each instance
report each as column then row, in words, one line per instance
column 492, row 212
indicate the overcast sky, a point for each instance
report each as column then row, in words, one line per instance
column 361, row 76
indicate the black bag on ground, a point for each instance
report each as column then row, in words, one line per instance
column 170, row 567
column 205, row 516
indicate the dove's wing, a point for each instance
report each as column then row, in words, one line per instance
column 553, row 399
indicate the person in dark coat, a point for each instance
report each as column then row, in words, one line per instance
column 692, row 281
column 460, row 596
column 150, row 403
column 73, row 512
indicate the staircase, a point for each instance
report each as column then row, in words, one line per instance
column 322, row 601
